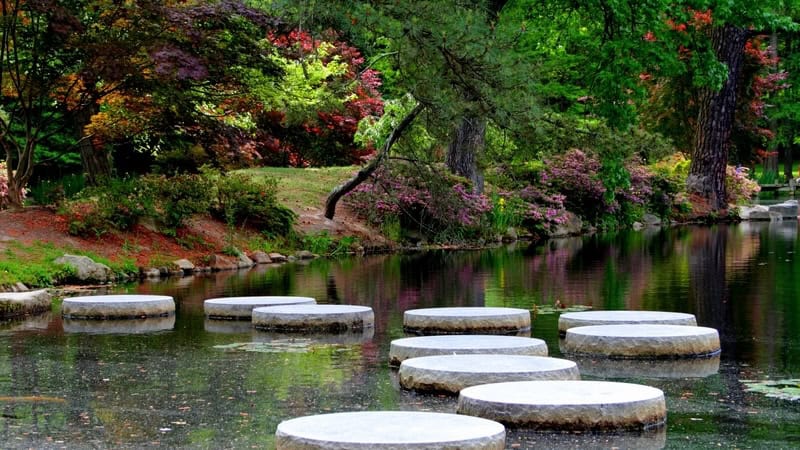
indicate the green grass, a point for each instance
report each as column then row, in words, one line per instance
column 758, row 171
column 39, row 270
column 300, row 188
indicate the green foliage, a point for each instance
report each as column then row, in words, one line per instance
column 179, row 197
column 55, row 192
column 507, row 211
column 245, row 200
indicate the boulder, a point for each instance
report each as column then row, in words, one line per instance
column 150, row 273
column 85, row 269
column 651, row 220
column 244, row 262
column 746, row 212
column 304, row 254
column 571, row 226
column 787, row 210
column 510, row 235
column 772, row 216
column 260, row 257
column 277, row 257
column 637, row 226
column 184, row 265
column 221, row 262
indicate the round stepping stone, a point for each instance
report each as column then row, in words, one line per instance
column 123, row 326
column 330, row 318
column 648, row 368
column 451, row 373
column 463, row 344
column 566, row 405
column 241, row 308
column 466, row 320
column 587, row 318
column 117, row 306
column 396, row 430
column 642, row 341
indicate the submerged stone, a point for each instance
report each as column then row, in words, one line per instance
column 642, row 341
column 464, row 344
column 330, row 318
column 394, row 430
column 117, row 306
column 587, row 318
column 603, row 367
column 566, row 405
column 451, row 373
column 241, row 308
column 123, row 326
column 466, row 320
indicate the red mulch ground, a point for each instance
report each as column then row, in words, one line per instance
column 203, row 235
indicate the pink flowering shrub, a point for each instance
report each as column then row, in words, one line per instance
column 4, row 192
column 422, row 200
column 740, row 186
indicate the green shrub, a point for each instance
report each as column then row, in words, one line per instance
column 179, row 197
column 248, row 201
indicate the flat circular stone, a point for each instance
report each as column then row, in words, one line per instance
column 396, row 430
column 330, row 318
column 241, row 308
column 566, row 405
column 117, row 306
column 466, row 320
column 642, row 341
column 451, row 373
column 463, row 344
column 588, row 318
column 122, row 326
column 603, row 367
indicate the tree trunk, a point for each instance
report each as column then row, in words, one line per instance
column 787, row 149
column 464, row 150
column 340, row 191
column 715, row 120
column 19, row 171
column 96, row 162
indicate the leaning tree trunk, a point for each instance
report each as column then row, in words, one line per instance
column 715, row 120
column 95, row 160
column 464, row 150
column 18, row 171
column 340, row 191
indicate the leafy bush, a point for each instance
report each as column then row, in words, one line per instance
column 741, row 188
column 179, row 197
column 422, row 200
column 248, row 201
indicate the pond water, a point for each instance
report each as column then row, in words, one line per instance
column 191, row 383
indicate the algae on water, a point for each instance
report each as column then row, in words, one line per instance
column 788, row 389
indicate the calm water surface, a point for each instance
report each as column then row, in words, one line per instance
column 191, row 383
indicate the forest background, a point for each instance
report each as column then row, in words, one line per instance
column 460, row 121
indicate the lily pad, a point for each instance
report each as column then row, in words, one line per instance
column 788, row 389
column 552, row 309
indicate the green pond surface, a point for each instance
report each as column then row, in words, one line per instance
column 193, row 383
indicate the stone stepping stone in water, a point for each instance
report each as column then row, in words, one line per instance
column 396, row 430
column 603, row 367
column 463, row 344
column 641, row 341
column 466, row 320
column 300, row 318
column 122, row 326
column 452, row 373
column 241, row 308
column 588, row 318
column 566, row 405
column 117, row 307
column 19, row 304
